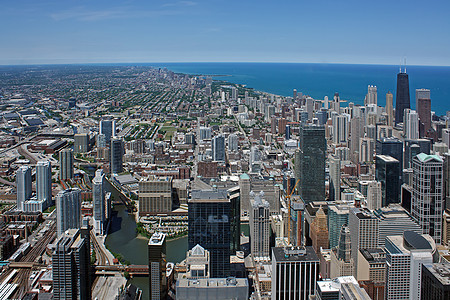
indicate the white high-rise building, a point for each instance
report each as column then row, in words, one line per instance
column 260, row 227
column 310, row 107
column 44, row 182
column 427, row 203
column 364, row 232
column 68, row 210
column 374, row 195
column 23, row 185
column 371, row 97
column 411, row 124
column 405, row 255
column 234, row 93
column 98, row 199
column 340, row 128
column 366, row 149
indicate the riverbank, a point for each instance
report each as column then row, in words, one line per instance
column 133, row 247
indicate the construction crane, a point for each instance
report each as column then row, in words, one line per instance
column 288, row 196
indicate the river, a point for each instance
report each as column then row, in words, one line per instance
column 122, row 238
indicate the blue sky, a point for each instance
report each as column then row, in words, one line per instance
column 346, row 31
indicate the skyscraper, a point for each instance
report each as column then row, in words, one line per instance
column 81, row 142
column 422, row 94
column 71, row 266
column 311, row 164
column 387, row 172
column 357, row 132
column 423, row 108
column 44, row 182
column 204, row 133
column 116, row 162
column 209, row 226
column 234, row 194
column 218, row 148
column 157, row 266
column 427, row 203
column 405, row 255
column 337, row 217
column 108, row 128
column 371, row 97
column 68, row 210
column 435, row 283
column 364, row 232
column 233, row 142
column 340, row 128
column 374, row 195
column 319, row 231
column 390, row 109
column 402, row 97
column 260, row 227
column 295, row 271
column 391, row 146
column 366, row 149
column 342, row 263
column 66, row 164
column 98, row 199
column 411, row 124
column 23, row 185
column 335, row 178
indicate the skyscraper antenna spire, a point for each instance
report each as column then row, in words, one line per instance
column 405, row 64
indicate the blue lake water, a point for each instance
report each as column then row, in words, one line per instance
column 319, row 80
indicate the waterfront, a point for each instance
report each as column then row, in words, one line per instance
column 122, row 238
column 319, row 80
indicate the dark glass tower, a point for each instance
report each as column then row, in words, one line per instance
column 387, row 171
column 310, row 163
column 209, row 226
column 402, row 100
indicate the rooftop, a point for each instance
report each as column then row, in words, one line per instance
column 157, row 239
column 292, row 254
column 387, row 158
column 440, row 271
column 422, row 157
column 212, row 282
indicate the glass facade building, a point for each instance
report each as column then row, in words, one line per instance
column 209, row 226
column 310, row 163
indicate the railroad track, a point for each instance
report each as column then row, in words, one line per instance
column 99, row 254
column 23, row 275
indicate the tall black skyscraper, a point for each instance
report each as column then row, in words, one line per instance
column 387, row 172
column 209, row 217
column 402, row 100
column 310, row 163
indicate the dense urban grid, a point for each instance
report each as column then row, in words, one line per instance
column 342, row 201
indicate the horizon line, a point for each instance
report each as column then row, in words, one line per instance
column 212, row 62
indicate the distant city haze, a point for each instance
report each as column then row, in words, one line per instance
column 48, row 32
